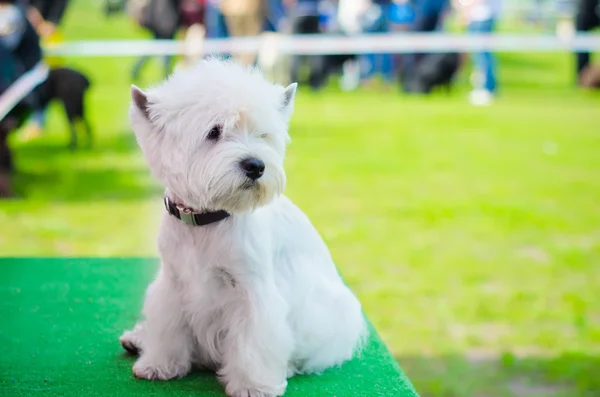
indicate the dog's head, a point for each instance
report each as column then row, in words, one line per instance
column 215, row 135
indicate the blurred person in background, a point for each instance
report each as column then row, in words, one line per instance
column 349, row 19
column 304, row 18
column 214, row 20
column 20, row 52
column 328, row 16
column 244, row 18
column 428, row 17
column 19, row 36
column 401, row 18
column 271, row 58
column 564, row 11
column 7, row 76
column 276, row 16
column 587, row 18
column 401, row 15
column 350, row 14
column 162, row 19
column 376, row 20
column 45, row 17
column 192, row 22
column 329, row 23
column 336, row 63
column 192, row 12
column 480, row 17
column 24, row 41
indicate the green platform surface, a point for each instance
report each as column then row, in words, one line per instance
column 60, row 320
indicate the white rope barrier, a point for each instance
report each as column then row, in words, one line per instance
column 334, row 44
column 23, row 86
column 305, row 45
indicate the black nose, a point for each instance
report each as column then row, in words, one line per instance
column 253, row 167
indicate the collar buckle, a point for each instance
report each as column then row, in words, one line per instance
column 186, row 215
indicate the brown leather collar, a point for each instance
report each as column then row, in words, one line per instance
column 193, row 218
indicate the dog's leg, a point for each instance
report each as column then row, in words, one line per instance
column 258, row 344
column 166, row 343
column 88, row 132
column 73, row 131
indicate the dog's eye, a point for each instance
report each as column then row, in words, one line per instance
column 215, row 133
column 264, row 136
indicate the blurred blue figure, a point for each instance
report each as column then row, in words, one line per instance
column 327, row 16
column 485, row 64
column 216, row 27
column 429, row 15
column 401, row 14
column 214, row 22
column 481, row 17
column 276, row 16
column 401, row 17
column 376, row 20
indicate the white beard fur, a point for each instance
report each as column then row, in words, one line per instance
column 255, row 297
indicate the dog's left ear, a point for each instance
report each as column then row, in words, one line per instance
column 287, row 106
column 140, row 100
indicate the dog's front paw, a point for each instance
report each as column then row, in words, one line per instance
column 234, row 390
column 146, row 369
column 130, row 343
column 132, row 340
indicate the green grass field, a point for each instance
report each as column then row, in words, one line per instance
column 471, row 235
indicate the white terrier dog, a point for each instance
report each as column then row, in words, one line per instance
column 246, row 286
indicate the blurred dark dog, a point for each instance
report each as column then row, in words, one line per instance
column 69, row 87
column 590, row 77
column 66, row 85
column 434, row 70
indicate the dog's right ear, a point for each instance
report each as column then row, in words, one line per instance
column 140, row 100
column 287, row 105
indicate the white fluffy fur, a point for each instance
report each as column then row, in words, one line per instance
column 256, row 297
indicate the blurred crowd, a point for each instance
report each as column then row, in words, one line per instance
column 198, row 19
column 249, row 18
